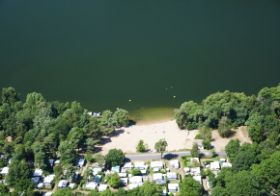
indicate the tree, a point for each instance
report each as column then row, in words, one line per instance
column 207, row 144
column 4, row 190
column 114, row 157
column 106, row 119
column 120, row 117
column 99, row 158
column 268, row 174
column 141, row 147
column 160, row 146
column 195, row 150
column 9, row 95
column 242, row 183
column 224, row 128
column 136, row 172
column 149, row 188
column 68, row 154
column 190, row 187
column 261, row 126
column 188, row 115
column 245, row 158
column 19, row 175
column 76, row 137
column 63, row 192
column 114, row 180
column 232, row 149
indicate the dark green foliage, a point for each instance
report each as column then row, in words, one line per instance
column 255, row 171
column 148, row 189
column 4, row 190
column 268, row 174
column 195, row 150
column 114, row 180
column 261, row 126
column 245, row 158
column 114, row 157
column 63, row 192
column 188, row 116
column 241, row 183
column 19, row 176
column 68, row 154
column 235, row 106
column 33, row 130
column 136, row 172
column 207, row 144
column 224, row 127
column 120, row 118
column 141, row 146
column 160, row 146
column 232, row 149
column 190, row 187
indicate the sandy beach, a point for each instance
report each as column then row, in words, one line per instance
column 152, row 132
column 126, row 139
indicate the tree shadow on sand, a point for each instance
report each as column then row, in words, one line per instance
column 170, row 156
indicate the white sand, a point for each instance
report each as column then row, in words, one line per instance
column 127, row 141
column 220, row 143
column 177, row 139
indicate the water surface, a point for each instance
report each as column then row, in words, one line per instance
column 104, row 53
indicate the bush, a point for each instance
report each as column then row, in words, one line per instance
column 207, row 144
column 114, row 181
column 224, row 128
column 114, row 157
column 141, row 146
column 136, row 172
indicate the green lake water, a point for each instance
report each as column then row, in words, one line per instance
column 154, row 53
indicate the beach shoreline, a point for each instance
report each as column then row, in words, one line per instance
column 127, row 138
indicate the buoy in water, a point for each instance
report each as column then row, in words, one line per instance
column 174, row 97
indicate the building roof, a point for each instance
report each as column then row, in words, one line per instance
column 128, row 165
column 97, row 179
column 96, row 170
column 5, row 170
column 116, row 169
column 38, row 172
column 40, row 185
column 197, row 178
column 62, row 183
column 215, row 165
column 91, row 185
column 48, row 194
column 135, row 185
column 140, row 165
column 36, row 179
column 81, row 162
column 174, row 163
column 226, row 164
column 135, row 179
column 156, row 164
column 173, row 186
column 157, row 176
column 102, row 187
column 72, row 185
column 122, row 175
column 171, row 175
column 124, row 180
column 195, row 170
column 49, row 179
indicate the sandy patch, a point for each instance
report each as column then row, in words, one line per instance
column 128, row 138
column 220, row 143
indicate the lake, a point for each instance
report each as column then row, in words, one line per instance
column 138, row 54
